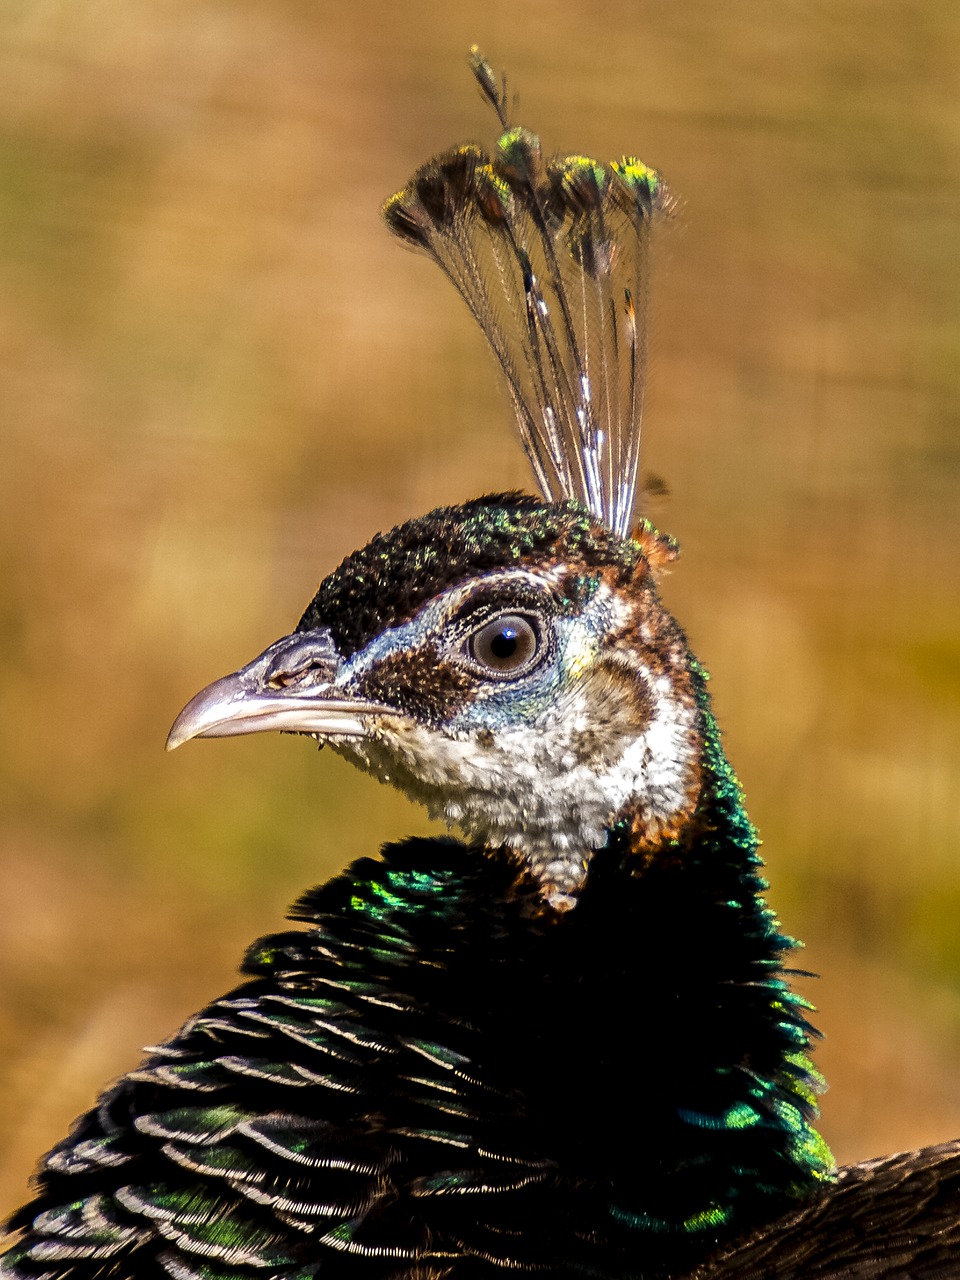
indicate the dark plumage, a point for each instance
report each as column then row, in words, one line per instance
column 569, row 1046
column 438, row 1068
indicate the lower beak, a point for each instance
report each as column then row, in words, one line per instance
column 289, row 687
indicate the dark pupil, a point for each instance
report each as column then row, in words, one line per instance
column 504, row 643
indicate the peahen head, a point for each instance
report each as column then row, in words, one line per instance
column 509, row 664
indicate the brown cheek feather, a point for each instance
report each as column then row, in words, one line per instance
column 661, row 840
column 654, row 639
column 419, row 683
column 620, row 704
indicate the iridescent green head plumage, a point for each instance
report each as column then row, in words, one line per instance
column 384, row 582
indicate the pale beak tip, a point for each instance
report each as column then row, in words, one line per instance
column 176, row 737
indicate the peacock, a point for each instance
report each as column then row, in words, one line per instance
column 565, row 1044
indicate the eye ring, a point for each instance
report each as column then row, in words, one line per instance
column 509, row 644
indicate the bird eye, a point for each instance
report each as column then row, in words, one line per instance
column 506, row 645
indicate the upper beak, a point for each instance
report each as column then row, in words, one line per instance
column 288, row 687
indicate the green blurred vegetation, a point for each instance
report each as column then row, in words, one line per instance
column 218, row 375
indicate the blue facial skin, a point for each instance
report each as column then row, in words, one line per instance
column 570, row 636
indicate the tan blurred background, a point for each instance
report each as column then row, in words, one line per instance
column 218, row 375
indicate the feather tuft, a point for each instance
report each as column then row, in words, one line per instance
column 552, row 257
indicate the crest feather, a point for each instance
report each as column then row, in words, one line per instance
column 553, row 259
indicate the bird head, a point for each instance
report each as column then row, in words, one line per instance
column 508, row 663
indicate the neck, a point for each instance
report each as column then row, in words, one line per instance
column 686, row 1049
column 641, row 1058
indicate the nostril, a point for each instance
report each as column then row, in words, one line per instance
column 299, row 661
column 313, row 672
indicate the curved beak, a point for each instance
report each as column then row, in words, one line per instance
column 289, row 688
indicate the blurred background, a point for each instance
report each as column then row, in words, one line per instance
column 218, row 375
